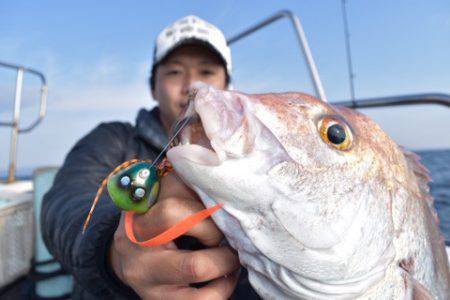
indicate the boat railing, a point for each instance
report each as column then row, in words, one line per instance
column 401, row 100
column 14, row 124
column 298, row 28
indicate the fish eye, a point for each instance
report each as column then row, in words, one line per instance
column 125, row 181
column 335, row 132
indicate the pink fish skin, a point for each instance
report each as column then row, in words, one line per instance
column 318, row 201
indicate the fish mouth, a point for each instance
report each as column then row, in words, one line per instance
column 214, row 124
column 190, row 136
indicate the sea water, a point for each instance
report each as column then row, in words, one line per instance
column 438, row 162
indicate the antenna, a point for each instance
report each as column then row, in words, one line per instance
column 351, row 75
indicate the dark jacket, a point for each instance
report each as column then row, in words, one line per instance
column 66, row 205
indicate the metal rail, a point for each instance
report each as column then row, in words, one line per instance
column 295, row 21
column 15, row 130
column 351, row 74
column 416, row 99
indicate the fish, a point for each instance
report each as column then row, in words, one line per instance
column 318, row 201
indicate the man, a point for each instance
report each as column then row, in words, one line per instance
column 105, row 264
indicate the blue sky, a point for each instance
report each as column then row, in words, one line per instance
column 97, row 56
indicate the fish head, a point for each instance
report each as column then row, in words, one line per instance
column 292, row 171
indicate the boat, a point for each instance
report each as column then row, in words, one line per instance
column 26, row 266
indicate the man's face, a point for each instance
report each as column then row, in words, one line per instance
column 180, row 69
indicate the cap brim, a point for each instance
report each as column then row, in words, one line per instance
column 193, row 41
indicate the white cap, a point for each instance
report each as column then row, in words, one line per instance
column 186, row 30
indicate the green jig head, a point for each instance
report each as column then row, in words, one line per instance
column 135, row 188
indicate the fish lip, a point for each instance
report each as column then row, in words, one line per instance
column 184, row 128
column 197, row 154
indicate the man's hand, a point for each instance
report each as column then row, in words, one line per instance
column 165, row 272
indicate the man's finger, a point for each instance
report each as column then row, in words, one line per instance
column 219, row 289
column 185, row 267
column 173, row 186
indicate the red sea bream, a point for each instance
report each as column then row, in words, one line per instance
column 318, row 201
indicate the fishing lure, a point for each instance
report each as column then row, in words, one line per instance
column 123, row 189
column 134, row 187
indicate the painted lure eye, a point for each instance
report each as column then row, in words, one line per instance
column 125, row 181
column 336, row 133
column 138, row 194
